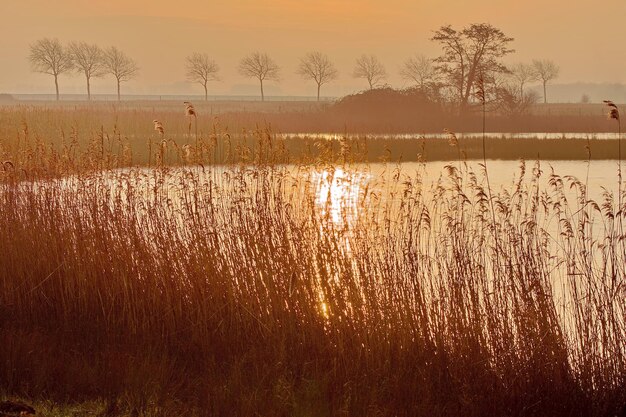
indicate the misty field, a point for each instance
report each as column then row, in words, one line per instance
column 214, row 267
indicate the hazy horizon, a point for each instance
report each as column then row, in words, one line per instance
column 159, row 35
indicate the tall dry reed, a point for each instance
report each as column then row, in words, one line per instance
column 241, row 290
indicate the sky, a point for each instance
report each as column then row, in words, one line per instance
column 586, row 39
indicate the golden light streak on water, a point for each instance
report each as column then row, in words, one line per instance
column 338, row 193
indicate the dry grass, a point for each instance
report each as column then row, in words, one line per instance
column 60, row 140
column 229, row 291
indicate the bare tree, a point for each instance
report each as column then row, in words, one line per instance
column 260, row 66
column 468, row 54
column 513, row 102
column 118, row 64
column 48, row 56
column 88, row 59
column 523, row 74
column 201, row 69
column 419, row 70
column 370, row 68
column 317, row 67
column 545, row 71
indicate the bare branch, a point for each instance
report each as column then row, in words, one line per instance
column 89, row 60
column 118, row 64
column 48, row 56
column 317, row 67
column 469, row 54
column 370, row 68
column 513, row 102
column 201, row 69
column 546, row 71
column 260, row 66
column 419, row 70
column 523, row 74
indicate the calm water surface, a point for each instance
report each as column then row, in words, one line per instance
column 474, row 135
column 341, row 189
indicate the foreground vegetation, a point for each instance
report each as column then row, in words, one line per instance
column 255, row 289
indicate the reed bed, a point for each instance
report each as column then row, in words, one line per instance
column 259, row 288
column 59, row 140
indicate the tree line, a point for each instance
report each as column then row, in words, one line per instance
column 48, row 56
column 470, row 63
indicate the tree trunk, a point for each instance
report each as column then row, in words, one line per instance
column 471, row 77
column 262, row 94
column 465, row 96
column 206, row 93
column 88, row 90
column 118, row 91
column 318, row 91
column 56, row 84
column 545, row 99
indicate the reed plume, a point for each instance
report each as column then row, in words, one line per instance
column 158, row 127
column 190, row 112
column 613, row 114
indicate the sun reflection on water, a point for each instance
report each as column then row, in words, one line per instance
column 339, row 198
column 338, row 193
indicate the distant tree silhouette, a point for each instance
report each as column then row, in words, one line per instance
column 419, row 70
column 201, row 69
column 522, row 74
column 469, row 53
column 546, row 71
column 513, row 102
column 260, row 66
column 48, row 56
column 317, row 67
column 120, row 66
column 88, row 59
column 370, row 68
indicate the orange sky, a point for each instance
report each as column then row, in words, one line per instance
column 587, row 39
